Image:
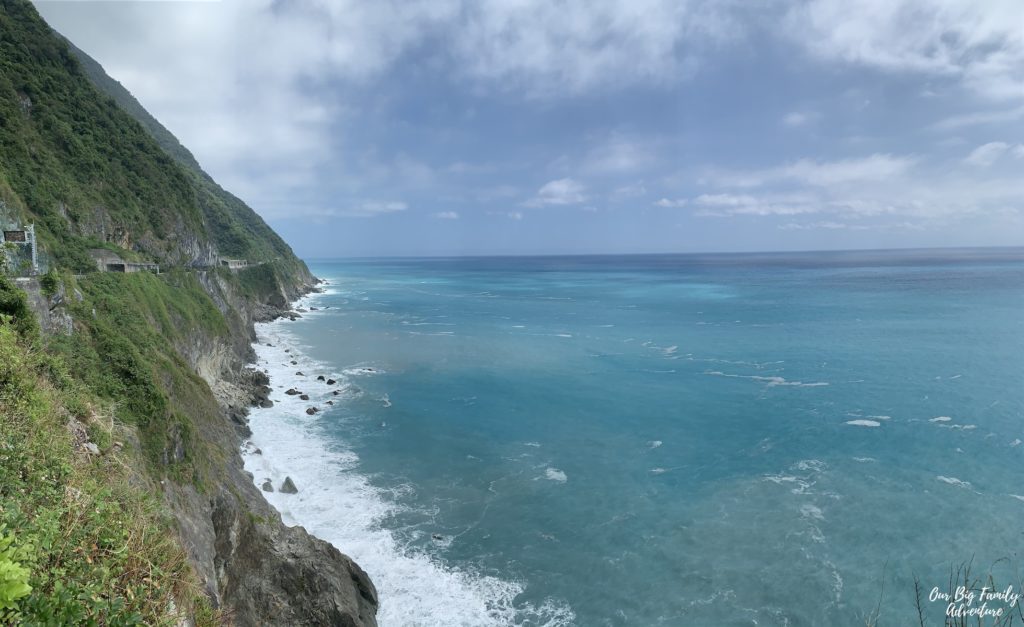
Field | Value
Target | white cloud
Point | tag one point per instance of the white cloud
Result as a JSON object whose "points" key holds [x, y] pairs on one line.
{"points": [[796, 119], [446, 215], [619, 155], [558, 192], [371, 208], [916, 193], [978, 44], [987, 154], [553, 48], [515, 215], [633, 190], [750, 205], [669, 203], [876, 167], [980, 118]]}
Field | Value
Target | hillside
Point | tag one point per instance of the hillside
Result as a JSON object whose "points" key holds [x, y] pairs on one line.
{"points": [[123, 396], [96, 170]]}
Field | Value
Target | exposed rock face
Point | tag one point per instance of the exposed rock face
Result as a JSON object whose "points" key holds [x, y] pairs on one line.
{"points": [[288, 487], [261, 571]]}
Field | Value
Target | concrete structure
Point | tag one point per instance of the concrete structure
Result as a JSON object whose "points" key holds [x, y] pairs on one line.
{"points": [[106, 261], [234, 264], [24, 238]]}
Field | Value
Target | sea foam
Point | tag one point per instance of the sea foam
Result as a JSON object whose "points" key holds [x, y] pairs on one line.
{"points": [[337, 503]]}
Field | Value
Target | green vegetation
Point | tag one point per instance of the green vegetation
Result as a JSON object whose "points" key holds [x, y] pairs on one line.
{"points": [[81, 167], [129, 353], [90, 422], [81, 158], [236, 230], [91, 548]]}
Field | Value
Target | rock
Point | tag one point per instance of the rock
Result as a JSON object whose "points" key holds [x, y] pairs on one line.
{"points": [[237, 416], [295, 363], [331, 382], [321, 378], [300, 374], [287, 350], [437, 536], [267, 486], [270, 345], [330, 402], [288, 487], [266, 403], [335, 392], [312, 309], [293, 392], [260, 378], [92, 449], [311, 410], [304, 397]]}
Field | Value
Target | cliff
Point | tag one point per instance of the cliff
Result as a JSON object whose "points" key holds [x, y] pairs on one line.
{"points": [[137, 381]]}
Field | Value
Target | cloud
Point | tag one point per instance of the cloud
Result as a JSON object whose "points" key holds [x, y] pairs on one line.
{"points": [[545, 48], [371, 209], [922, 194], [619, 155], [761, 205], [987, 154], [796, 119], [446, 215], [979, 118], [515, 215], [979, 45], [670, 203], [558, 192], [875, 167], [633, 190]]}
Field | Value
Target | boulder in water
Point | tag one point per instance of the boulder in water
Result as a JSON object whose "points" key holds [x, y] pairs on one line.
{"points": [[288, 487], [304, 397], [267, 486], [293, 392]]}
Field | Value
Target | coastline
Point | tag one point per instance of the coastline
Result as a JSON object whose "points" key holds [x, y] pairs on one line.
{"points": [[335, 502]]}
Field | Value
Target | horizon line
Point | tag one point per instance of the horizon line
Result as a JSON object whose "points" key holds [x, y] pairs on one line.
{"points": [[665, 254]]}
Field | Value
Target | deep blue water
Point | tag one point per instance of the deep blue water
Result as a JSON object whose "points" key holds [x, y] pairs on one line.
{"points": [[658, 440]]}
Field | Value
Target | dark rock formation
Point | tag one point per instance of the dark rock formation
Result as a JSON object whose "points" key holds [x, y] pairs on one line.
{"points": [[304, 397], [321, 378], [331, 382], [288, 487], [267, 486], [311, 410], [293, 392]]}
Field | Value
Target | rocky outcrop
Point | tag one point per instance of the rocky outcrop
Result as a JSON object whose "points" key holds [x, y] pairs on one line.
{"points": [[259, 570]]}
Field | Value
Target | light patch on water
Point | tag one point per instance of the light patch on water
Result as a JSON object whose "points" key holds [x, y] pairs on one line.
{"points": [[769, 381], [955, 482], [555, 474], [864, 423]]}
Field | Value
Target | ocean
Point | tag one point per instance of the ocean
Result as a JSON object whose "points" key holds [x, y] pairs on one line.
{"points": [[772, 439]]}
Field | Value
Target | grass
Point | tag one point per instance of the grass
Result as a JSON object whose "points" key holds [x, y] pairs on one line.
{"points": [[131, 331], [91, 546]]}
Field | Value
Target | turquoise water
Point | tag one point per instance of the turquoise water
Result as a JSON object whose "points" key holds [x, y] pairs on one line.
{"points": [[657, 440]]}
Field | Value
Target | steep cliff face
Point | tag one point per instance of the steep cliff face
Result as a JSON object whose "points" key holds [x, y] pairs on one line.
{"points": [[264, 571], [165, 355]]}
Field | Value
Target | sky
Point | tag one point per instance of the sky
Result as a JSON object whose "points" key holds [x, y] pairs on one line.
{"points": [[469, 127]]}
